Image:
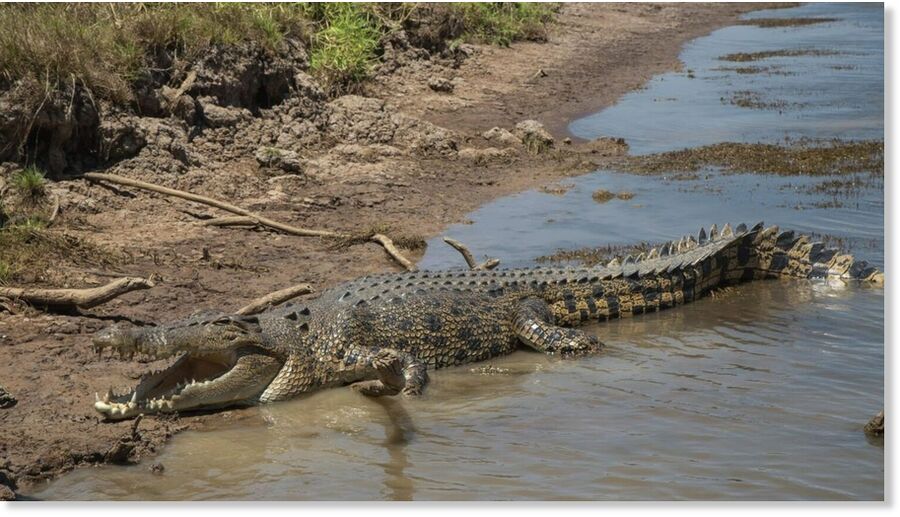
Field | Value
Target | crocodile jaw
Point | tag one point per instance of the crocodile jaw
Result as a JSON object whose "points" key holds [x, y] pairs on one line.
{"points": [[194, 382]]}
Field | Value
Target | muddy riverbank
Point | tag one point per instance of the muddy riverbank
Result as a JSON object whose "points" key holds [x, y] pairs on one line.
{"points": [[403, 154]]}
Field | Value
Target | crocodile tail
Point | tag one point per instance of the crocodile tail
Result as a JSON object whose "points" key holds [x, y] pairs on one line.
{"points": [[774, 253], [728, 256]]}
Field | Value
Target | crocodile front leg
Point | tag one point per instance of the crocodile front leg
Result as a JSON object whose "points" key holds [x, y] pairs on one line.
{"points": [[534, 326], [397, 372]]}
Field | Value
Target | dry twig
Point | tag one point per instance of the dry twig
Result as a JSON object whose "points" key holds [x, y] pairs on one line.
{"points": [[470, 259], [259, 219], [276, 298], [84, 298]]}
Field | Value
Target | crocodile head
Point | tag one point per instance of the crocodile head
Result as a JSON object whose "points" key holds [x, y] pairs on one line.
{"points": [[218, 361]]}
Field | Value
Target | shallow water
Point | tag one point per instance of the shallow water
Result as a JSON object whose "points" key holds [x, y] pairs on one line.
{"points": [[760, 394]]}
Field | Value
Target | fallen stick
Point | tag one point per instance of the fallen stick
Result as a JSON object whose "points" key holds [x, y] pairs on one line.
{"points": [[84, 298], [228, 207], [237, 220], [276, 298], [469, 258], [389, 247], [383, 240]]}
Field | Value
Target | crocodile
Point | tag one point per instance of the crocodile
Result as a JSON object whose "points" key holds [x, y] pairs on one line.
{"points": [[382, 334]]}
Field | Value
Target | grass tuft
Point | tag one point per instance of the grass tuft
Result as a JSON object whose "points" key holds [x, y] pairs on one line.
{"points": [[501, 23], [345, 47], [31, 184]]}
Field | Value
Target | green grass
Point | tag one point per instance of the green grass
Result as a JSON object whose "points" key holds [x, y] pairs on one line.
{"points": [[106, 47], [501, 23], [345, 48], [6, 272], [30, 183]]}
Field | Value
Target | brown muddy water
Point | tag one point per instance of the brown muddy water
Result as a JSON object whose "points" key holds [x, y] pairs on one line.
{"points": [[759, 394]]}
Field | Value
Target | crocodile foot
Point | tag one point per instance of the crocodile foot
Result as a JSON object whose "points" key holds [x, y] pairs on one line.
{"points": [[388, 365]]}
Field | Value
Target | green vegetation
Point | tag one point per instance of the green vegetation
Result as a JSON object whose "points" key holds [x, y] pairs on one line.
{"points": [[107, 48], [501, 23], [29, 252], [30, 184], [6, 272], [344, 49], [743, 57], [800, 157]]}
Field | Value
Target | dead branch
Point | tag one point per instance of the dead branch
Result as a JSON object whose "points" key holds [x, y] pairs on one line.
{"points": [[383, 240], [470, 259], [228, 207], [388, 245], [84, 298], [276, 298], [236, 220]]}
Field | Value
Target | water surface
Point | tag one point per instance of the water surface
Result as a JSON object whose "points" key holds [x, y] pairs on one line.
{"points": [[760, 394]]}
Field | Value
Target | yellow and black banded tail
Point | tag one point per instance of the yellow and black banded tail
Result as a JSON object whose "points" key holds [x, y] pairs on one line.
{"points": [[772, 253]]}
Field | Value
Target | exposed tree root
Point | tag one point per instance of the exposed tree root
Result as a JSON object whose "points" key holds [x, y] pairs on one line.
{"points": [[247, 216], [83, 298], [470, 259], [276, 298]]}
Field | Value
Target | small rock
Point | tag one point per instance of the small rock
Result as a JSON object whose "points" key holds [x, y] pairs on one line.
{"points": [[6, 399], [534, 137], [501, 136], [440, 84], [567, 141], [288, 161], [875, 426], [607, 146], [219, 116], [157, 469]]}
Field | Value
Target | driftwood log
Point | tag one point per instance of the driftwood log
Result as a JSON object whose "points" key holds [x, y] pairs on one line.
{"points": [[83, 298], [469, 258], [246, 215], [278, 297]]}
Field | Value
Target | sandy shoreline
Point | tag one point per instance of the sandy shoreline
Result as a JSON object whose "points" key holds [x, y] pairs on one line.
{"points": [[53, 372]]}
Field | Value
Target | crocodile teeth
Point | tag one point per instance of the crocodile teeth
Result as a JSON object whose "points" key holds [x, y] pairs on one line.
{"points": [[628, 260], [109, 394], [640, 257], [701, 237], [613, 263], [654, 253]]}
